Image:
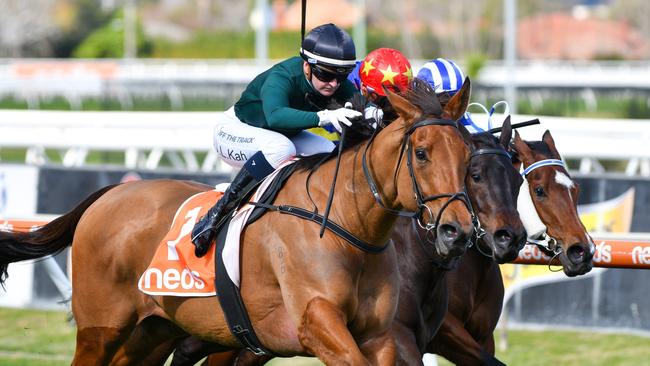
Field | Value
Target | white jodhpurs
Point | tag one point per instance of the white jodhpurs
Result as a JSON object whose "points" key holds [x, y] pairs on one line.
{"points": [[236, 141]]}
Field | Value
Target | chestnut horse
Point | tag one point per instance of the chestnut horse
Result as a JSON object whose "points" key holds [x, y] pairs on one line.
{"points": [[493, 185], [305, 295], [476, 286]]}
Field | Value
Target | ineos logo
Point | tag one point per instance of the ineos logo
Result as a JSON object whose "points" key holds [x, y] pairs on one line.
{"points": [[532, 252], [171, 279], [641, 255], [603, 253]]}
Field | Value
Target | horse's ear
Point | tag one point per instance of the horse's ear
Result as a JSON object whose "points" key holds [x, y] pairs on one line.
{"points": [[457, 105], [548, 140], [403, 107], [524, 153], [506, 133], [467, 136]]}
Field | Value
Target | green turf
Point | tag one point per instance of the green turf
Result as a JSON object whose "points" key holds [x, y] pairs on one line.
{"points": [[39, 338], [44, 338]]}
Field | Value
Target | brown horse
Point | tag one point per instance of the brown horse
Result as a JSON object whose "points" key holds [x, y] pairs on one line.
{"points": [[305, 295], [476, 286], [493, 185]]}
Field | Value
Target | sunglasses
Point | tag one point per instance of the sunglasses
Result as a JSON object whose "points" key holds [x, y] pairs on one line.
{"points": [[327, 76]]}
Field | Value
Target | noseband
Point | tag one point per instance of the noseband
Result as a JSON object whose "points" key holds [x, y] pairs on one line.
{"points": [[420, 200]]}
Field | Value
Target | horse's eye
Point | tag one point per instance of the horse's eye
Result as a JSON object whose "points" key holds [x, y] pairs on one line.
{"points": [[476, 177], [539, 192], [421, 154]]}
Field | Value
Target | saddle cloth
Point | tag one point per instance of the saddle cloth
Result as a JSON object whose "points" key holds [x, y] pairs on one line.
{"points": [[175, 270]]}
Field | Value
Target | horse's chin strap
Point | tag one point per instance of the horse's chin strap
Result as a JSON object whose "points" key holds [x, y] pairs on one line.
{"points": [[434, 220]]}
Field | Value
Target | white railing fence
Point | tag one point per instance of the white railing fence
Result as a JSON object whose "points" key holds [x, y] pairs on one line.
{"points": [[185, 139]]}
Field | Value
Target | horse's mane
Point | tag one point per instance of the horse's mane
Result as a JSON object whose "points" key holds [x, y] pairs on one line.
{"points": [[424, 97], [360, 131], [541, 147], [485, 139]]}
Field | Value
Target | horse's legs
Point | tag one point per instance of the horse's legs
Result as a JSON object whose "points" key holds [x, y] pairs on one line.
{"points": [[222, 359], [159, 355], [150, 334], [488, 344], [407, 349], [324, 333], [96, 345], [191, 350], [454, 343], [381, 350]]}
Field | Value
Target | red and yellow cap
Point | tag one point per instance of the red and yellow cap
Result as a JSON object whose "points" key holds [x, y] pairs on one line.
{"points": [[385, 67]]}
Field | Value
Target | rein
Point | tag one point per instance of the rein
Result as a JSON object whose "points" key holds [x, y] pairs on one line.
{"points": [[421, 201]]}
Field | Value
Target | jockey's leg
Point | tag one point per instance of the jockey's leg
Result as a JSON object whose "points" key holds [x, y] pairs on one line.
{"points": [[253, 172], [260, 151]]}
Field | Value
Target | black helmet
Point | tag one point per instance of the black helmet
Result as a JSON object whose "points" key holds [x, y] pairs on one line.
{"points": [[331, 47]]}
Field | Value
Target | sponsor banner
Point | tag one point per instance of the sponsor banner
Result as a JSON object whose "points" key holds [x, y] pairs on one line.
{"points": [[610, 253], [614, 215]]}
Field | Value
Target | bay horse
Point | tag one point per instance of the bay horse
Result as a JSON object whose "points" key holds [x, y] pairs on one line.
{"points": [[493, 184], [305, 295], [476, 286]]}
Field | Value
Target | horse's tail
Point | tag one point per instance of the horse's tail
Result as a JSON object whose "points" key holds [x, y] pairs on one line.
{"points": [[49, 239]]}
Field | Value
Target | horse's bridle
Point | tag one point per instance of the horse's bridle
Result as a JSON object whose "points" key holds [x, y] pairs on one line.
{"points": [[421, 201], [547, 244], [478, 229]]}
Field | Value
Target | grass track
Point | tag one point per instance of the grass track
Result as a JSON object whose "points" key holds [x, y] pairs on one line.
{"points": [[43, 338]]}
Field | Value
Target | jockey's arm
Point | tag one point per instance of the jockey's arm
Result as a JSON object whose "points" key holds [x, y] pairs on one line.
{"points": [[277, 111]]}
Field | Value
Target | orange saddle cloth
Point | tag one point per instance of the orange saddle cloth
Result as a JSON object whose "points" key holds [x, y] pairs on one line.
{"points": [[174, 269]]}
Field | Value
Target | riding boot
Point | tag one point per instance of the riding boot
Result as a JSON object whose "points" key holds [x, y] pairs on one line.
{"points": [[253, 172]]}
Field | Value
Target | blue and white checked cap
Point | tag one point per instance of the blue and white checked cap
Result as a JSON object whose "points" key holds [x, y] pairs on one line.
{"points": [[443, 75]]}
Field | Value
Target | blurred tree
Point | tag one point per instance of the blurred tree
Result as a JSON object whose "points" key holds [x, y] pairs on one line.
{"points": [[108, 41], [636, 12], [26, 28], [86, 16]]}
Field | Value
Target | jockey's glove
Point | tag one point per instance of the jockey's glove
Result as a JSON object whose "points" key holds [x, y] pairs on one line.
{"points": [[337, 117], [374, 113]]}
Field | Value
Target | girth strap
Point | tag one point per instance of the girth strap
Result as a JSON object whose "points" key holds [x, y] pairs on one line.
{"points": [[231, 301], [330, 225]]}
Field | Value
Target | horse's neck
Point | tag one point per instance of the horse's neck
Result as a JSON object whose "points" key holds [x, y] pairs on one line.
{"points": [[418, 261], [354, 206]]}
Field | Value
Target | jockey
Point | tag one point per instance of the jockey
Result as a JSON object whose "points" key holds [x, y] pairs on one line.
{"points": [[446, 78], [382, 68], [266, 126]]}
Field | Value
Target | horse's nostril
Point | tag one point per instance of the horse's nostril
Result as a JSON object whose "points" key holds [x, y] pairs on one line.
{"points": [[449, 232], [577, 253], [503, 236]]}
